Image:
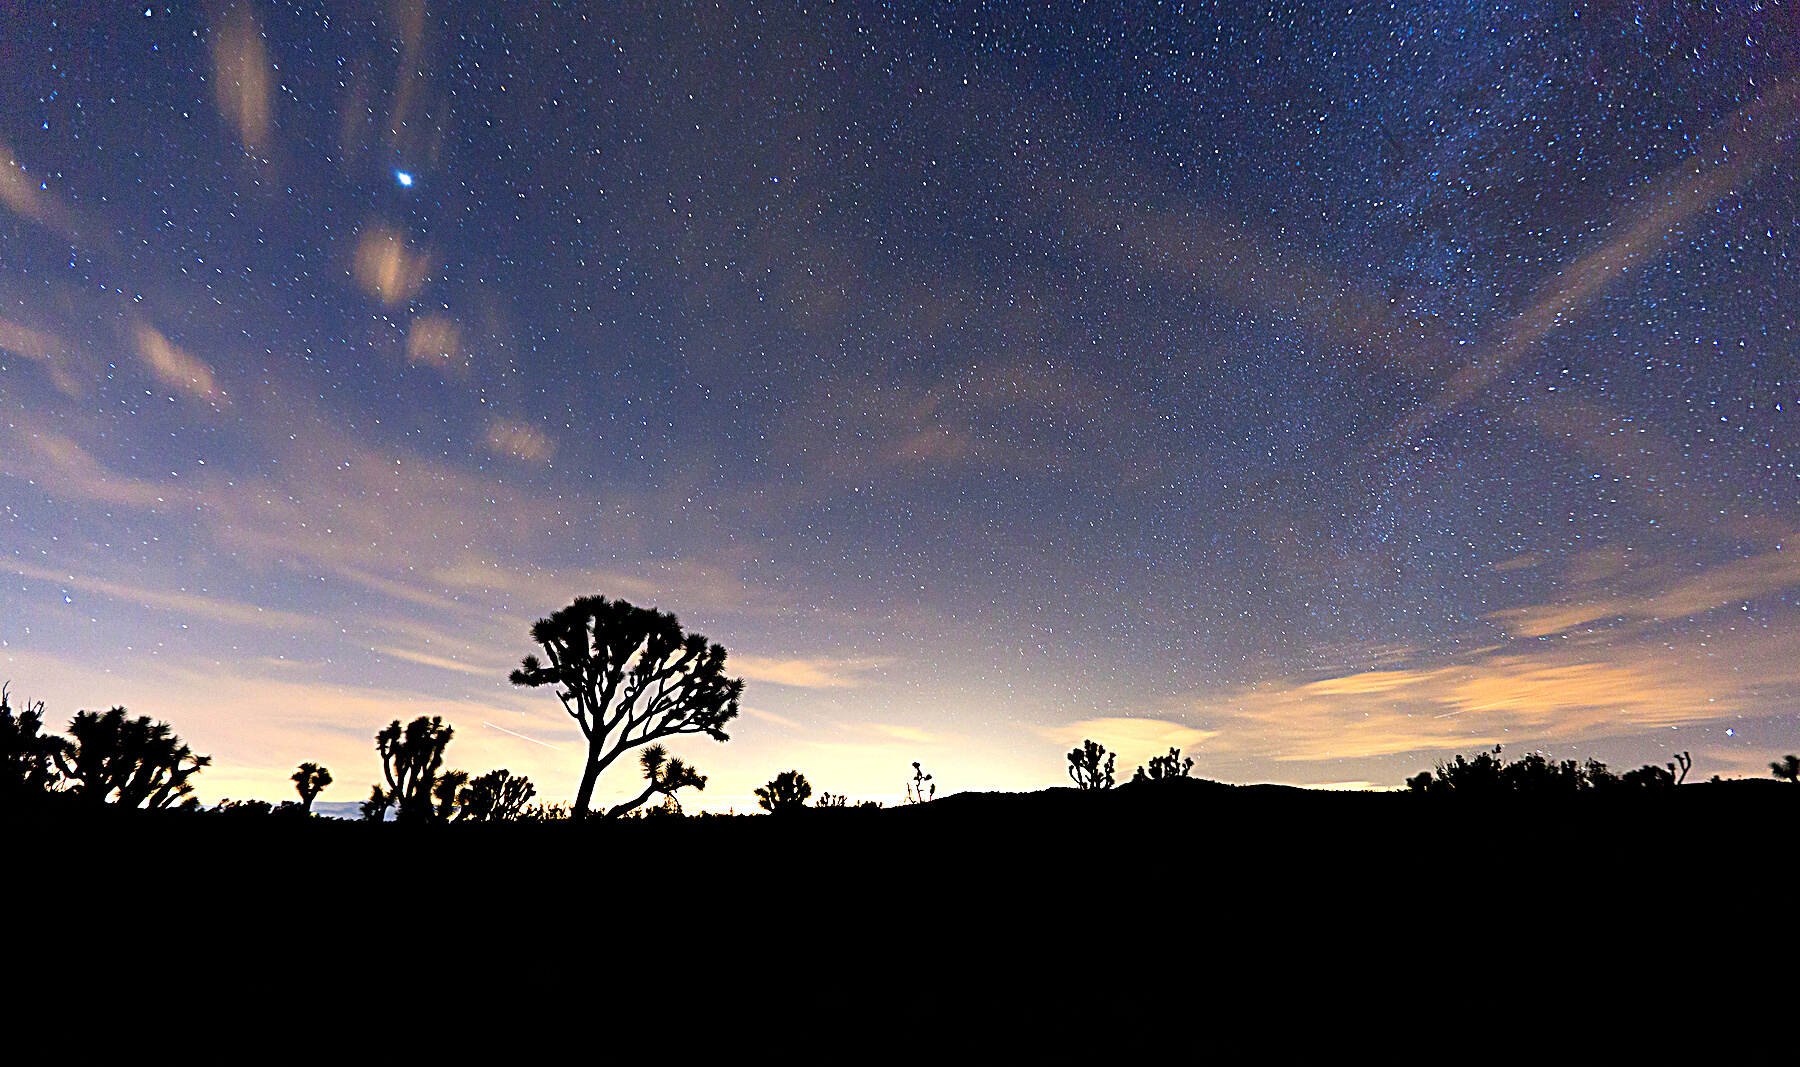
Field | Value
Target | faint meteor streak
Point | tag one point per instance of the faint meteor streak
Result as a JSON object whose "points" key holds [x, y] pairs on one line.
{"points": [[515, 733]]}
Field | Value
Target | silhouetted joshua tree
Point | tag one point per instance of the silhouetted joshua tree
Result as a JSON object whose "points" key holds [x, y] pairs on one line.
{"points": [[629, 676], [921, 788], [139, 761], [665, 774], [446, 794], [1163, 767], [309, 781], [497, 796], [1087, 769], [1787, 768], [411, 761], [787, 792], [27, 756], [375, 808]]}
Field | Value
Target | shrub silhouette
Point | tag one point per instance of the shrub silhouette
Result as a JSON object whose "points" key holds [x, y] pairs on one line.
{"points": [[1649, 776], [1086, 766], [309, 781], [786, 792], [411, 761], [1536, 773], [27, 756], [139, 761], [545, 813], [1787, 768], [1163, 767], [665, 774], [629, 676], [497, 796]]}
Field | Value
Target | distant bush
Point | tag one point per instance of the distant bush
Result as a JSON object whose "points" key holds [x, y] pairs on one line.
{"points": [[1535, 773], [788, 791], [1165, 767], [497, 796], [545, 813]]}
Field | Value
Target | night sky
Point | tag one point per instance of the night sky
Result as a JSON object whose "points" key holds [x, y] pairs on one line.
{"points": [[1320, 389]]}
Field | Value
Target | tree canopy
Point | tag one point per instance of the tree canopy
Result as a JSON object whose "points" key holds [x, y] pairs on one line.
{"points": [[787, 791], [665, 774], [1091, 766], [629, 676], [27, 755], [138, 761], [411, 760], [309, 781], [1165, 767]]}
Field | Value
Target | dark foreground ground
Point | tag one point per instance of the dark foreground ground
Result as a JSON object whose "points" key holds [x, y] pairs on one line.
{"points": [[1188, 914], [1188, 858]]}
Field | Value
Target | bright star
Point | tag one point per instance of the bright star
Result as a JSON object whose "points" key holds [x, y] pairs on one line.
{"points": [[403, 178]]}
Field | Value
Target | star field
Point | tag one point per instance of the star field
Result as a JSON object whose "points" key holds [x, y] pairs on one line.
{"points": [[1319, 388]]}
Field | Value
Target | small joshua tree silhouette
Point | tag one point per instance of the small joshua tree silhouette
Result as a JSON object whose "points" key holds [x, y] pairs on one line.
{"points": [[1088, 770], [921, 788]]}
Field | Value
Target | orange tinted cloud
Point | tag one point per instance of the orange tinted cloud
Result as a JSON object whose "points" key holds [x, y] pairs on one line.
{"points": [[1761, 575], [1134, 740], [64, 469], [174, 367], [1556, 695], [521, 441], [436, 342], [52, 350], [817, 673], [30, 197], [243, 77], [212, 609], [386, 268]]}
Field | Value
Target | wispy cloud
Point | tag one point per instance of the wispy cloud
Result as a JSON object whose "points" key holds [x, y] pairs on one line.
{"points": [[1134, 740], [816, 673], [436, 342], [769, 716], [520, 440], [243, 77], [1657, 595], [64, 469], [1727, 158], [41, 345], [429, 660], [1557, 694], [194, 604], [386, 268], [174, 367]]}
